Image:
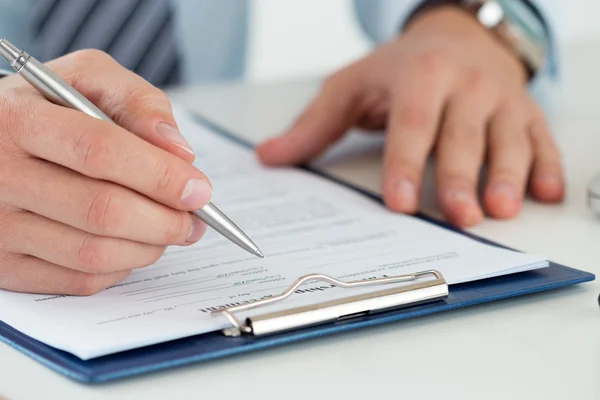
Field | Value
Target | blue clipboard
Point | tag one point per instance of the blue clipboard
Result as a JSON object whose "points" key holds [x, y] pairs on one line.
{"points": [[215, 345]]}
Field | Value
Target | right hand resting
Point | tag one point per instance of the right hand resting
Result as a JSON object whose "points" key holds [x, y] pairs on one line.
{"points": [[83, 201]]}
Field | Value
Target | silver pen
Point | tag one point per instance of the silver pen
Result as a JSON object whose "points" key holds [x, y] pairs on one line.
{"points": [[55, 89]]}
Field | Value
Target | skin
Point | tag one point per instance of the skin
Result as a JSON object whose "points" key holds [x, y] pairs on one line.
{"points": [[113, 196], [83, 202], [446, 87]]}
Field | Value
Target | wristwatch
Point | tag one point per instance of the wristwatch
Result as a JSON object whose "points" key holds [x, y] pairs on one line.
{"points": [[516, 23]]}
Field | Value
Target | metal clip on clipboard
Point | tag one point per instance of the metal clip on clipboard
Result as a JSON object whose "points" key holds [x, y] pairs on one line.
{"points": [[422, 290]]}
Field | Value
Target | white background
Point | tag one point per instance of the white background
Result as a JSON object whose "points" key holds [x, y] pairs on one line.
{"points": [[298, 38]]}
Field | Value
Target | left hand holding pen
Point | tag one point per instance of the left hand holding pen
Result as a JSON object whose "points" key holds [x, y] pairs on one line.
{"points": [[445, 85]]}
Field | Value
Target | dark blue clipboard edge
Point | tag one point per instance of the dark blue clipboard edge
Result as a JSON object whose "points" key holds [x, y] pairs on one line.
{"points": [[214, 345]]}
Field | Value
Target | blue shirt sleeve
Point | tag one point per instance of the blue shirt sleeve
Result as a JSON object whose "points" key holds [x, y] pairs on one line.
{"points": [[213, 39], [545, 83]]}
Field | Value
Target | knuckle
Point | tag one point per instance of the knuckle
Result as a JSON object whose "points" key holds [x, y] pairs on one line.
{"points": [[85, 284], [144, 94], [519, 148], [461, 132], [87, 57], [91, 152], [457, 179], [476, 81], [165, 179], [82, 65], [143, 98], [413, 117], [11, 172], [9, 263], [101, 213], [432, 63], [506, 174], [91, 255], [399, 164], [11, 219], [15, 182], [176, 228], [7, 229]]}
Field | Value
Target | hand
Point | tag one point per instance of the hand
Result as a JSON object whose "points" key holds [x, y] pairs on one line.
{"points": [[446, 86], [83, 201]]}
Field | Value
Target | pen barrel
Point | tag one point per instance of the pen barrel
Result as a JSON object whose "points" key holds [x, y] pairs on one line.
{"points": [[55, 89], [217, 220]]}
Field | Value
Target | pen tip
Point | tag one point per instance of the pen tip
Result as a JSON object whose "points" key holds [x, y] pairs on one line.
{"points": [[259, 253]]}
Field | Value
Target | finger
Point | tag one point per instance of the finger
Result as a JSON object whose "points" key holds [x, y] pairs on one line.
{"points": [[31, 234], [417, 102], [107, 152], [97, 207], [547, 176], [375, 112], [125, 97], [510, 159], [20, 273], [460, 152], [326, 119]]}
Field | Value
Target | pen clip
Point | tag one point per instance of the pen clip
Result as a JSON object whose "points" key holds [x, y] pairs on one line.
{"points": [[419, 291]]}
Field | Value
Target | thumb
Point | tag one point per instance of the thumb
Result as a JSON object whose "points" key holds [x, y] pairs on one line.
{"points": [[325, 120]]}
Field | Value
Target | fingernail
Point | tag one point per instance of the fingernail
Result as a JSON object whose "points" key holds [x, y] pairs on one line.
{"points": [[406, 193], [464, 207], [196, 194], [197, 230], [172, 135], [504, 190]]}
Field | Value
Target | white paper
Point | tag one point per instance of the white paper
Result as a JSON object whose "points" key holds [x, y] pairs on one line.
{"points": [[303, 224]]}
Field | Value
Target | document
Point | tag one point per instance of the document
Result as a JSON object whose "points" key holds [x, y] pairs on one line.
{"points": [[303, 223]]}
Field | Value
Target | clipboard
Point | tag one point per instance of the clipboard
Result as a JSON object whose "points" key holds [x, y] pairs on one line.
{"points": [[419, 294]]}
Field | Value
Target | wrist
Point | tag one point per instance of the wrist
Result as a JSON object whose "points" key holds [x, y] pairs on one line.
{"points": [[447, 18], [518, 25], [453, 22]]}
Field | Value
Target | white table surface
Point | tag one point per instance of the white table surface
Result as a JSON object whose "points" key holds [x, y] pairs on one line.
{"points": [[544, 346]]}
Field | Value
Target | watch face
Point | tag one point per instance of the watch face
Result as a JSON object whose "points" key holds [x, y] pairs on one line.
{"points": [[490, 14]]}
